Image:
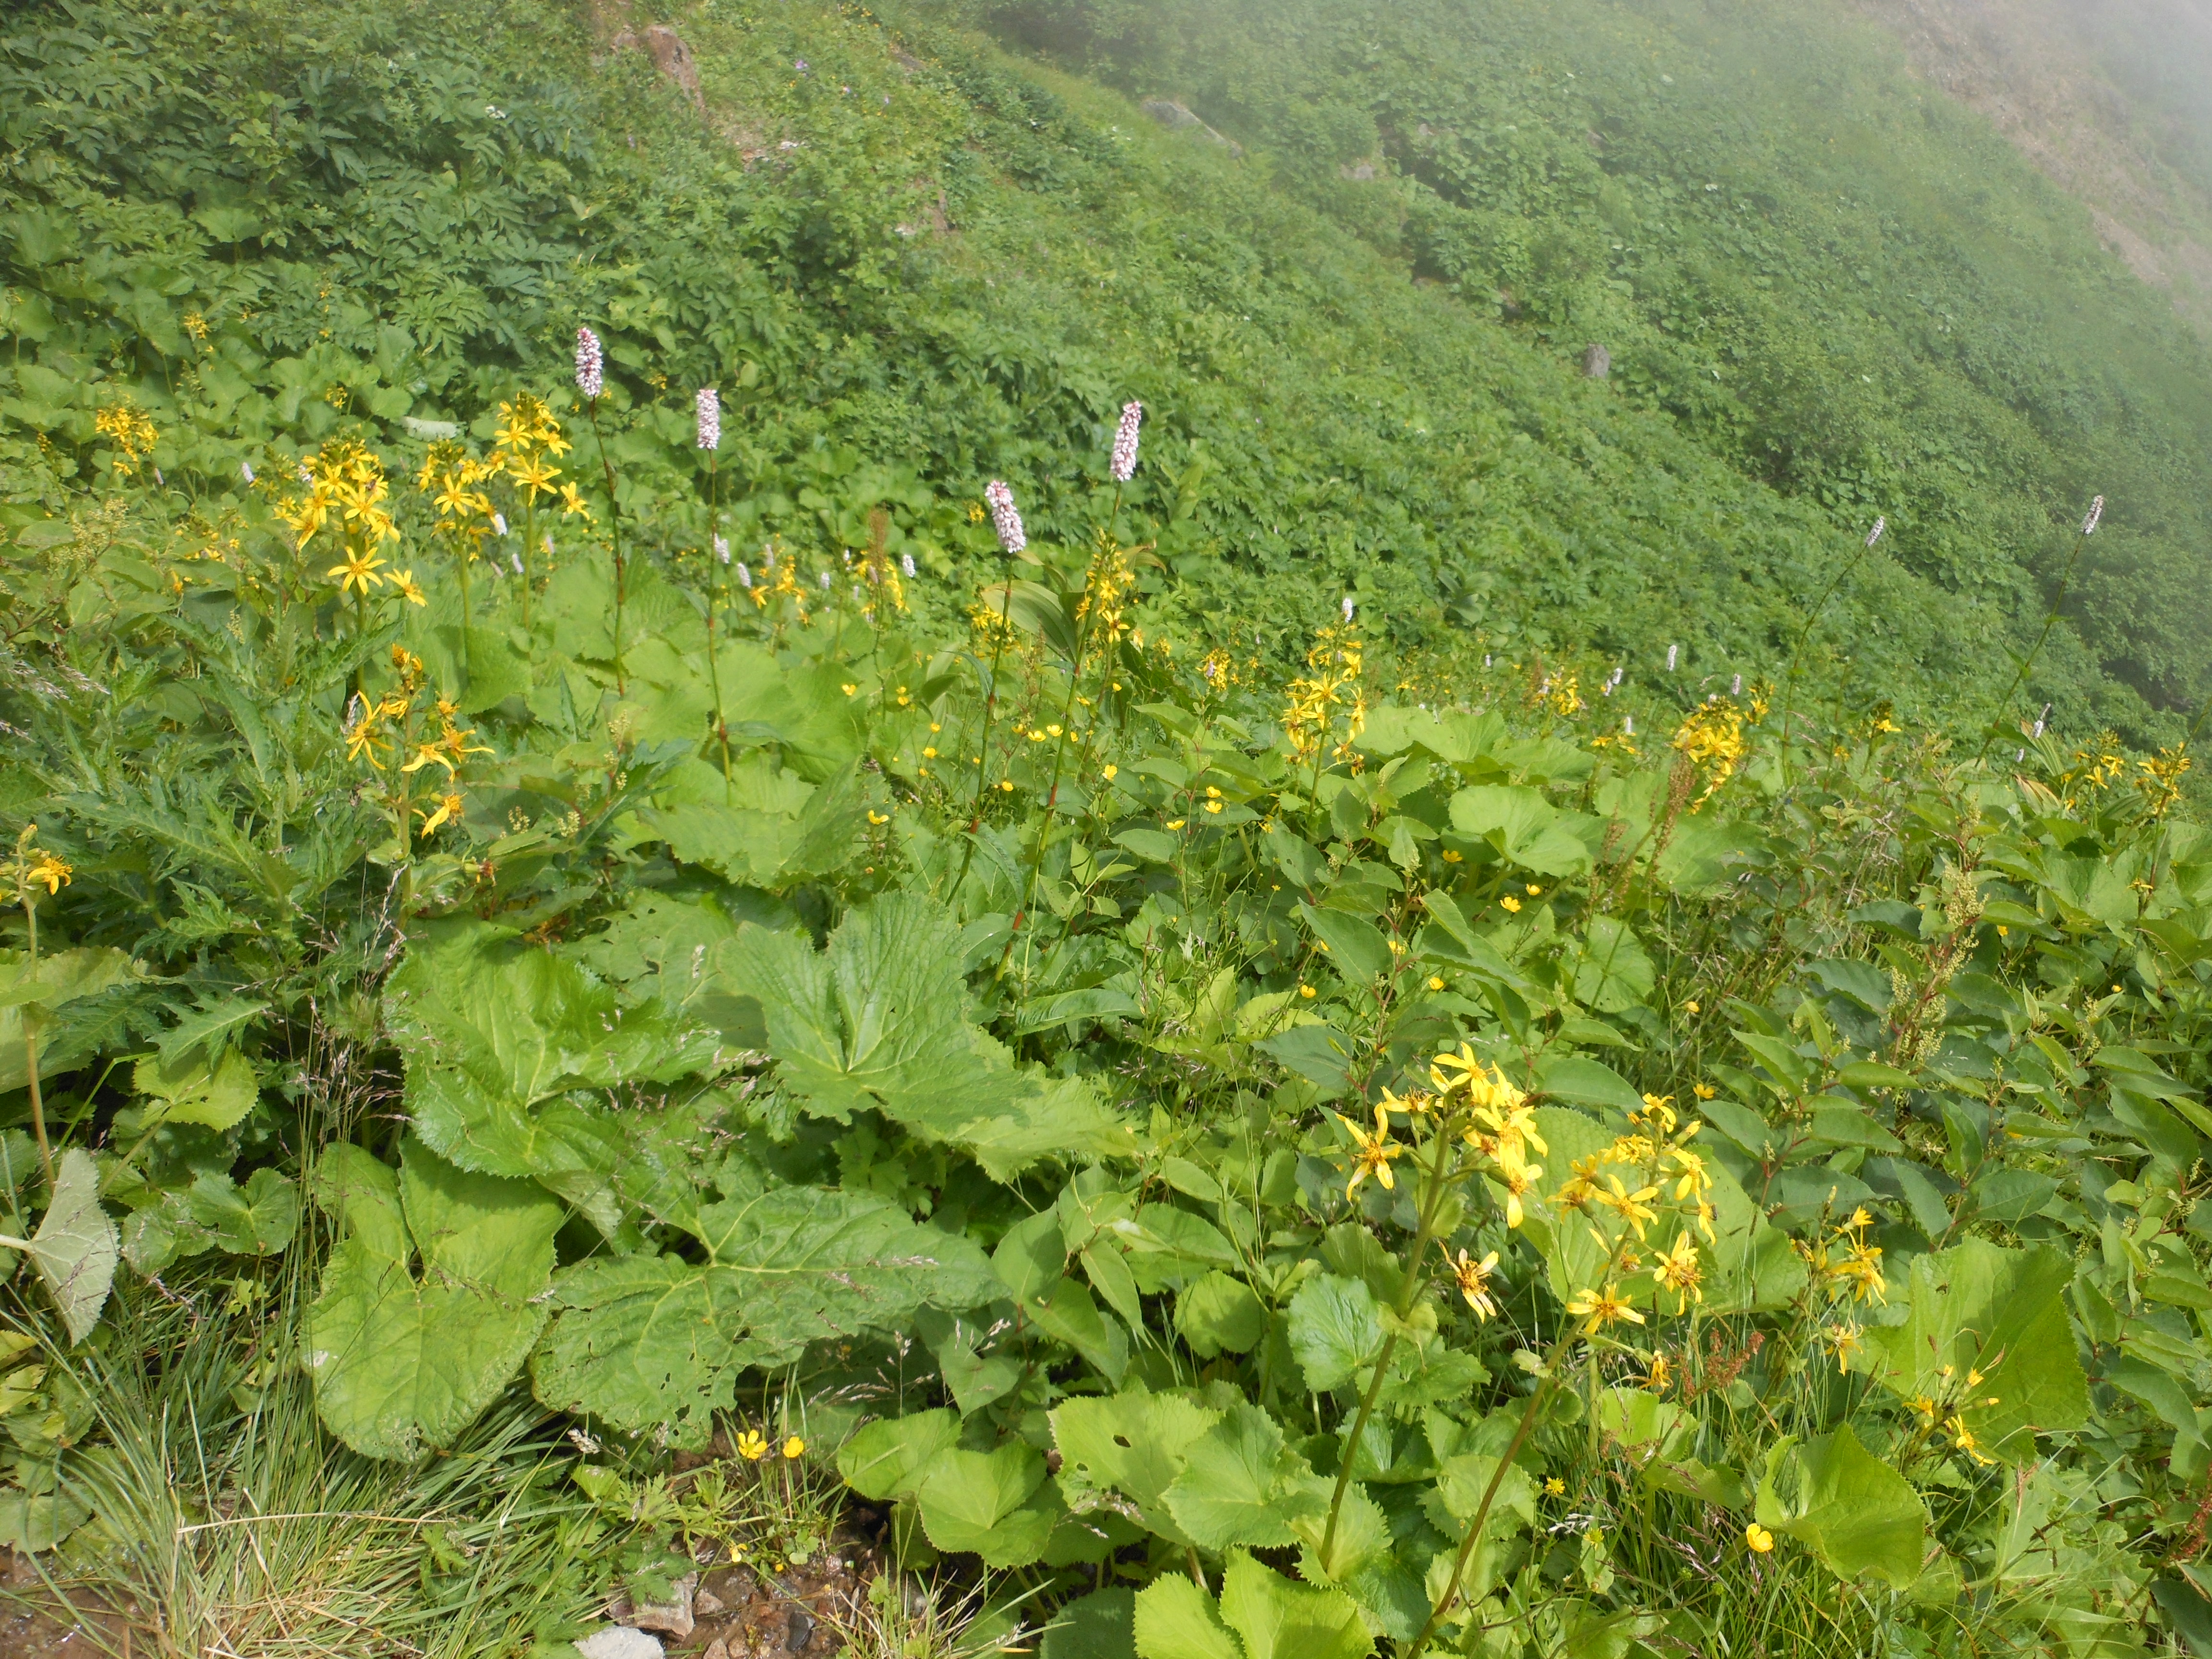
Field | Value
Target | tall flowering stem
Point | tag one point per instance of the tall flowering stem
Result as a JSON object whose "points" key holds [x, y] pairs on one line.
{"points": [[592, 382], [1007, 521], [1804, 634], [30, 870], [708, 407], [2088, 528], [1664, 1179], [1475, 1120]]}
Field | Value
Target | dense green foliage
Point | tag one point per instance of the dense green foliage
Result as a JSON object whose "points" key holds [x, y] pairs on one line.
{"points": [[1222, 1066]]}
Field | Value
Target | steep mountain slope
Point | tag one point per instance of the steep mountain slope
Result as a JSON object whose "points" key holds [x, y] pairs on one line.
{"points": [[915, 263]]}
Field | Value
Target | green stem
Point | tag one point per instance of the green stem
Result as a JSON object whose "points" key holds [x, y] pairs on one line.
{"points": [[1431, 1198], [983, 752], [715, 567], [2027, 662], [1804, 634], [614, 529], [1537, 1402], [31, 1053]]}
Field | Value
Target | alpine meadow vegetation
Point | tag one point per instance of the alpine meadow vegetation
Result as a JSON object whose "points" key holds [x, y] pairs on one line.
{"points": [[862, 804]]}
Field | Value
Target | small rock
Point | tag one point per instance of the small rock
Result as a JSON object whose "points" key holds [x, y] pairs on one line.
{"points": [[717, 1649], [674, 1617], [1597, 361], [707, 1604], [798, 1630], [619, 1642], [1170, 114], [673, 59]]}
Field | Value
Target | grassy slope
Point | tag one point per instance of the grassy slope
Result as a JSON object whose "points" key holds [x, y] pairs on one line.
{"points": [[397, 211]]}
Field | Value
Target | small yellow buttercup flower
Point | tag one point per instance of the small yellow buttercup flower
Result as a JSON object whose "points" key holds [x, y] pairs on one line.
{"points": [[1436, 982], [752, 1445], [794, 1448], [1512, 904], [1759, 1538], [1306, 991], [1110, 771]]}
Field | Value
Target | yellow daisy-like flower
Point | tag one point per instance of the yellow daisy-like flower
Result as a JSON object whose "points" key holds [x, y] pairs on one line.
{"points": [[1629, 1206], [404, 581], [1373, 1153], [359, 573], [49, 873], [1680, 1272], [449, 812], [1599, 1308], [1473, 1280]]}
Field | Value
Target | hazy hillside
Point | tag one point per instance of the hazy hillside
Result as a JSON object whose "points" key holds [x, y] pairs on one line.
{"points": [[2111, 100]]}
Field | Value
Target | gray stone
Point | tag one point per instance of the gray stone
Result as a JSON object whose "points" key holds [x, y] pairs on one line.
{"points": [[619, 1642]]}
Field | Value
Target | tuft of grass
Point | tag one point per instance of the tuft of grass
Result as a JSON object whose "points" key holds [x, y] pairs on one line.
{"points": [[237, 1525]]}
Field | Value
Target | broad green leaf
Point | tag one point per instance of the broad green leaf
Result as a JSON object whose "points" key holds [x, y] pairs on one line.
{"points": [[1356, 949], [507, 1048], [61, 976], [887, 1459], [31, 1525], [1335, 1330], [1280, 1620], [75, 1247], [1987, 1338], [1858, 1515], [761, 827], [216, 1029], [1069, 1316], [996, 1504], [1362, 1541], [1132, 1444], [429, 1301], [258, 1220], [1612, 973], [658, 1342], [187, 1092], [1177, 1619], [877, 1021], [1587, 1083], [1100, 1625], [1216, 1314], [1522, 825], [1240, 1486]]}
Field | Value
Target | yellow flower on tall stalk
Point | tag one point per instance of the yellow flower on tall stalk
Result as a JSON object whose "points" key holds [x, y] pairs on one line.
{"points": [[403, 583], [1631, 1207], [359, 573], [1372, 1154], [449, 810]]}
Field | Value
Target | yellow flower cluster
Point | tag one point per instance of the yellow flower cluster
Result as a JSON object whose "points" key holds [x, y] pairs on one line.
{"points": [[345, 489], [453, 479], [131, 433], [1658, 1155], [1332, 681], [529, 442], [1844, 1263], [375, 730], [1712, 738], [2159, 780]]}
